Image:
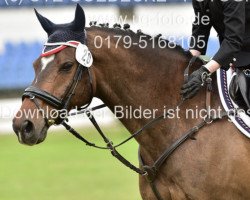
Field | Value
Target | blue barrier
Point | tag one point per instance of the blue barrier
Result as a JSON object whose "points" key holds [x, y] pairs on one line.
{"points": [[16, 64]]}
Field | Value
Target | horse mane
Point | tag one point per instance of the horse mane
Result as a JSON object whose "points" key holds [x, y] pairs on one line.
{"points": [[125, 30]]}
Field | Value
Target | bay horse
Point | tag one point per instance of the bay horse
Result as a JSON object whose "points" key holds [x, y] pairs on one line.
{"points": [[214, 166]]}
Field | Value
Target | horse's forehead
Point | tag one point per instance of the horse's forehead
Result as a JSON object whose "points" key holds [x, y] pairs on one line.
{"points": [[46, 60]]}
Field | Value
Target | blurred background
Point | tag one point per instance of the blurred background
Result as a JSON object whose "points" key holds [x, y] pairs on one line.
{"points": [[61, 167]]}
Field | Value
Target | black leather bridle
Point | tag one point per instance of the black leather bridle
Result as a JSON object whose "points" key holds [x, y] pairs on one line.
{"points": [[150, 172], [33, 92]]}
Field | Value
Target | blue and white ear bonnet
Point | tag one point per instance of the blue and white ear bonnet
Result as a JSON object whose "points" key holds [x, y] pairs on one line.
{"points": [[61, 36]]}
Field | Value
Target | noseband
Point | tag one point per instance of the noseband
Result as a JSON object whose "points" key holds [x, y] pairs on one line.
{"points": [[33, 92]]}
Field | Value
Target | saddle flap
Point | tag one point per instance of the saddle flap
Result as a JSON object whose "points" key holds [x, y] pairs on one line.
{"points": [[244, 85], [235, 92]]}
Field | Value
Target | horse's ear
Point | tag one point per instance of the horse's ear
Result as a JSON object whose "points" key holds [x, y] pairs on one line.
{"points": [[79, 21], [47, 25]]}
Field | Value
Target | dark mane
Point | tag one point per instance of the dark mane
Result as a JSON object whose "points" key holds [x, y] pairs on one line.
{"points": [[117, 29]]}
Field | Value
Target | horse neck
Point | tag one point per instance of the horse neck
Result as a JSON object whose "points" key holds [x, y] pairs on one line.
{"points": [[139, 78]]}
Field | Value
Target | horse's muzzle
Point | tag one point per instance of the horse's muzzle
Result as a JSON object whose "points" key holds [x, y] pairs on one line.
{"points": [[26, 132]]}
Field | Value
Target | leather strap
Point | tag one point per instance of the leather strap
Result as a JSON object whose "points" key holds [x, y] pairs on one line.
{"points": [[186, 71], [152, 171], [114, 152], [43, 95], [55, 102], [71, 92]]}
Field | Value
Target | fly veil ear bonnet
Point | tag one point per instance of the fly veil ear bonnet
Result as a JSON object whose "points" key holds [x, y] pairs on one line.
{"points": [[61, 36]]}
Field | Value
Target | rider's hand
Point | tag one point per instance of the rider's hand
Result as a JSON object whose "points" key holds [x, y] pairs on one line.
{"points": [[195, 82]]}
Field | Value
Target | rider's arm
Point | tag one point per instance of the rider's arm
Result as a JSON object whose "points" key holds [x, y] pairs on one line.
{"points": [[234, 22], [212, 65], [200, 30]]}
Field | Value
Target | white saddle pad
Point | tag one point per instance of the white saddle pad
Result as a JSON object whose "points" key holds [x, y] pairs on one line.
{"points": [[241, 119]]}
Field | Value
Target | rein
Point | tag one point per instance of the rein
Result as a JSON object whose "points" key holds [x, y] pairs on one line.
{"points": [[150, 172]]}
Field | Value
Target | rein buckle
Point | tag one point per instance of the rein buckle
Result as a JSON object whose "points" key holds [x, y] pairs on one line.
{"points": [[51, 122]]}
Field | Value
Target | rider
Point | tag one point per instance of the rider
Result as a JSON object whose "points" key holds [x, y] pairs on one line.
{"points": [[231, 20]]}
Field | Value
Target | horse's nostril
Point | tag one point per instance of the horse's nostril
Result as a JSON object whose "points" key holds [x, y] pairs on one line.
{"points": [[27, 127]]}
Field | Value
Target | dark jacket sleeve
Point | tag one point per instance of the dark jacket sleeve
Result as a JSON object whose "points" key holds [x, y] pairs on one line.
{"points": [[234, 22], [200, 31]]}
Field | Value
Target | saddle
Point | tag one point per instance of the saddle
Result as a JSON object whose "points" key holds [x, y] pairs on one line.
{"points": [[239, 89]]}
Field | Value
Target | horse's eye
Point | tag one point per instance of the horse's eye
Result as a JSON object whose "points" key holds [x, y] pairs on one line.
{"points": [[66, 66]]}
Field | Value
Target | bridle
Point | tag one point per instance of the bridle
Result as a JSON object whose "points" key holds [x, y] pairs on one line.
{"points": [[150, 172], [33, 92]]}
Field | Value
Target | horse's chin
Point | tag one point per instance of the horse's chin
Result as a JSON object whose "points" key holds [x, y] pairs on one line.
{"points": [[35, 138]]}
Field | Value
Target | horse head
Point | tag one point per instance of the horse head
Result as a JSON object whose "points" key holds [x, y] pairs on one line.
{"points": [[62, 79]]}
